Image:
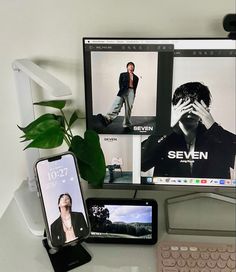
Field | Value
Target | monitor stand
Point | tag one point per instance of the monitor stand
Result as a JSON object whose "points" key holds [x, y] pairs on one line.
{"points": [[201, 214], [29, 205]]}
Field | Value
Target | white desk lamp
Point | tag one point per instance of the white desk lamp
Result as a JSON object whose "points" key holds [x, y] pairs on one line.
{"points": [[25, 72]]}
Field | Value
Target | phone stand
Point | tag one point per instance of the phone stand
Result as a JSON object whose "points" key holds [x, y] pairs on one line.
{"points": [[68, 257]]}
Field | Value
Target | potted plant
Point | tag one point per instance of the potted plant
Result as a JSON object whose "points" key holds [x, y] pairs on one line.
{"points": [[51, 130]]}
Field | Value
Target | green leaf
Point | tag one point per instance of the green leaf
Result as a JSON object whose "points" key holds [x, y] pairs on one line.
{"points": [[90, 157], [58, 104], [41, 128], [73, 118], [32, 125], [50, 138]]}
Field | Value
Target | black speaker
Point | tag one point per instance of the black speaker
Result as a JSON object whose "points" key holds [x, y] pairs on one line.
{"points": [[229, 24]]}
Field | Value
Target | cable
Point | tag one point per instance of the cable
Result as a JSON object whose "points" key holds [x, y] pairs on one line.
{"points": [[135, 193]]}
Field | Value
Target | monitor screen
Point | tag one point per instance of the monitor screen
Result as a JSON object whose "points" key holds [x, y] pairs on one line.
{"points": [[164, 109]]}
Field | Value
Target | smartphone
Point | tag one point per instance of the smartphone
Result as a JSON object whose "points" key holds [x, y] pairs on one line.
{"points": [[63, 206]]}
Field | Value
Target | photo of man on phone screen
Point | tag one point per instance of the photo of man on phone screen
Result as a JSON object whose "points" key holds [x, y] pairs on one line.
{"points": [[69, 225]]}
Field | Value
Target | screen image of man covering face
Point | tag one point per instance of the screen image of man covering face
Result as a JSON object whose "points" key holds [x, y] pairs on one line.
{"points": [[69, 225], [197, 146]]}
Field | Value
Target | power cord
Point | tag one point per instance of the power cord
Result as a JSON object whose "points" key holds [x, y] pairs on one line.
{"points": [[135, 193]]}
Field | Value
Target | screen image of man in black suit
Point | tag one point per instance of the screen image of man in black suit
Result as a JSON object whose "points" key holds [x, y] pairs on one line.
{"points": [[128, 83], [69, 225]]}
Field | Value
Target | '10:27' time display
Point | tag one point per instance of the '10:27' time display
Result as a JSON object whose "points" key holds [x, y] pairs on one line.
{"points": [[58, 173]]}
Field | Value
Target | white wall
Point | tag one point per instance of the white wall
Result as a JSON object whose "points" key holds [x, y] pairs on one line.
{"points": [[51, 31]]}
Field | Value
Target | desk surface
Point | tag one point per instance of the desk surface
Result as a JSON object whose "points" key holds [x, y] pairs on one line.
{"points": [[20, 250]]}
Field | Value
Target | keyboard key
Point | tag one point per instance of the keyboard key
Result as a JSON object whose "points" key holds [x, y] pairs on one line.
{"points": [[202, 248], [221, 248], [174, 248], [170, 269], [205, 255], [233, 256], [211, 263], [224, 256], [215, 255], [226, 270], [231, 249], [221, 263], [175, 254], [231, 264], [169, 262], [194, 270], [165, 248], [212, 249], [193, 248], [205, 270], [181, 262], [201, 263], [185, 255], [183, 269], [184, 248], [191, 262], [195, 255], [165, 254], [216, 270]]}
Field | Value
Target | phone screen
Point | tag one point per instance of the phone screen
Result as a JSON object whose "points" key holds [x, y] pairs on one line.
{"points": [[63, 205]]}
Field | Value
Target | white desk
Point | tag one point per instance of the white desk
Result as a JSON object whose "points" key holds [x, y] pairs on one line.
{"points": [[20, 250]]}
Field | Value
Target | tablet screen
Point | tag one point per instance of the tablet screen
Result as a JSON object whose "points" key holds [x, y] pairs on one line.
{"points": [[125, 221]]}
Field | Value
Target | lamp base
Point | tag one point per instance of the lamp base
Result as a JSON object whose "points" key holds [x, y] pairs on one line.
{"points": [[29, 205]]}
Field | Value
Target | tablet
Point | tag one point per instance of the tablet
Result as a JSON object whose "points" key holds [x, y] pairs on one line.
{"points": [[129, 221]]}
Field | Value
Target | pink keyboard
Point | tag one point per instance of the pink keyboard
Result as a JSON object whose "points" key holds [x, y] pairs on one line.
{"points": [[195, 257]]}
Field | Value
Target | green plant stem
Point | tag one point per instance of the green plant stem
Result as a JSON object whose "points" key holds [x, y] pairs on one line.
{"points": [[67, 124], [67, 140], [69, 136]]}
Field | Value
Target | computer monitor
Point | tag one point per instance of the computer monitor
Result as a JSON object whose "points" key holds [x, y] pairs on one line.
{"points": [[181, 104]]}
